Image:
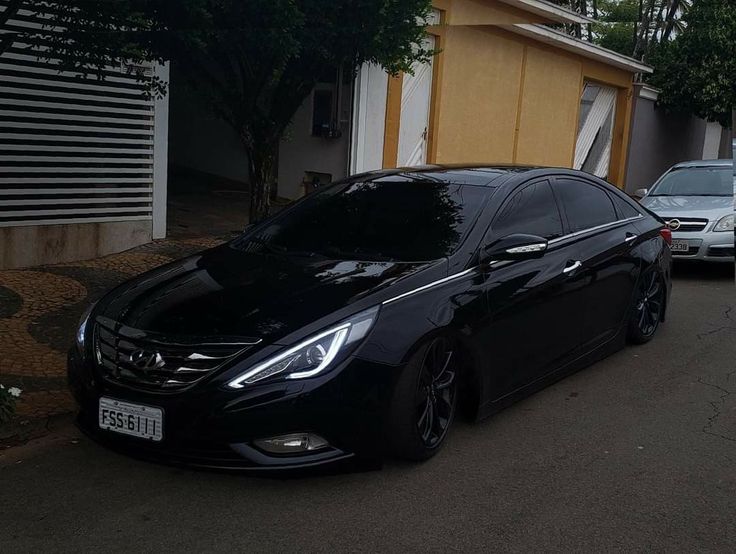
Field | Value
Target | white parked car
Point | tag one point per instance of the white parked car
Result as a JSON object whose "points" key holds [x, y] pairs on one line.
{"points": [[696, 199]]}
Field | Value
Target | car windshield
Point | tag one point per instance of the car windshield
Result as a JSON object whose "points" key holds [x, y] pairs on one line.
{"points": [[382, 220], [696, 181]]}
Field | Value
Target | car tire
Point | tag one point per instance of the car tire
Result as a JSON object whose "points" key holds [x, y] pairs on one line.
{"points": [[648, 308], [424, 401]]}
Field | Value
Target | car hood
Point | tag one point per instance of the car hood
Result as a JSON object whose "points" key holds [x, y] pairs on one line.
{"points": [[228, 292], [710, 207]]}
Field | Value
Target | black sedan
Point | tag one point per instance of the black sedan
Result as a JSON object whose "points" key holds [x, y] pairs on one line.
{"points": [[359, 321]]}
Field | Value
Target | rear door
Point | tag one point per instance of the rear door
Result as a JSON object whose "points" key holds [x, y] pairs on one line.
{"points": [[605, 239], [533, 326]]}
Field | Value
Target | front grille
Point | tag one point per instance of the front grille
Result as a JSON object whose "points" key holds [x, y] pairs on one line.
{"points": [[688, 224], [152, 361]]}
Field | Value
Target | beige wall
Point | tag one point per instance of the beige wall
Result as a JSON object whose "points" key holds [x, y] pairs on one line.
{"points": [[480, 92], [548, 111], [503, 98], [49, 244]]}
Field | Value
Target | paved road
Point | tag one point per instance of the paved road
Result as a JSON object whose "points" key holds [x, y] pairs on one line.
{"points": [[637, 453]]}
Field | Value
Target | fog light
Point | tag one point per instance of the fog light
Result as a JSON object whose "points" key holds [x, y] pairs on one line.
{"points": [[291, 444]]}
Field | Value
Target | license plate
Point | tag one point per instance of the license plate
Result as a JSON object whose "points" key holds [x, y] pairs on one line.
{"points": [[680, 246], [136, 420]]}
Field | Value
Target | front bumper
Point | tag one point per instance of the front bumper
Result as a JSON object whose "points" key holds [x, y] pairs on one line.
{"points": [[706, 246], [209, 427]]}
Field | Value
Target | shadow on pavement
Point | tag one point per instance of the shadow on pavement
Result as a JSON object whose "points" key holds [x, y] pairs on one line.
{"points": [[702, 271]]}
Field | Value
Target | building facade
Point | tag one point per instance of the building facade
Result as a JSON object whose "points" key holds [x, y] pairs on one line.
{"points": [[85, 165], [82, 161], [505, 87]]}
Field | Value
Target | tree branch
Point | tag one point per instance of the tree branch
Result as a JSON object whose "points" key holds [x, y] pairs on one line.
{"points": [[10, 11]]}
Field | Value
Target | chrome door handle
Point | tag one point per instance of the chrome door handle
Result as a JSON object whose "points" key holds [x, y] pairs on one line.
{"points": [[573, 267], [630, 237]]}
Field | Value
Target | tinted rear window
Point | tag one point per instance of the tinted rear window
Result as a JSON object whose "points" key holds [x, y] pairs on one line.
{"points": [[586, 205], [376, 220], [625, 209]]}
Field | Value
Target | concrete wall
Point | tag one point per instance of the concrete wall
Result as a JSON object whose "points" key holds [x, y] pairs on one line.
{"points": [[200, 143], [51, 244], [725, 149], [300, 151], [660, 139], [199, 140]]}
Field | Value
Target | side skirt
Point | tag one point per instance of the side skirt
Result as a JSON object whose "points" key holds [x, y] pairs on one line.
{"points": [[614, 344]]}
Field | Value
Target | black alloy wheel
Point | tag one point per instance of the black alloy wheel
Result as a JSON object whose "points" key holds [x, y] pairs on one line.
{"points": [[424, 401], [436, 392], [648, 309]]}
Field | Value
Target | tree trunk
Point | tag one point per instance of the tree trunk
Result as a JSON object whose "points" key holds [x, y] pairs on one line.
{"points": [[659, 23], [262, 170], [644, 29]]}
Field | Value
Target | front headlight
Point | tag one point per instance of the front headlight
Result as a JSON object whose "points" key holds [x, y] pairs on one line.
{"points": [[313, 355], [725, 223], [82, 329]]}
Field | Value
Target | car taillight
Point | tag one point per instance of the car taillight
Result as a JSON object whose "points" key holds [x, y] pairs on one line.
{"points": [[666, 235]]}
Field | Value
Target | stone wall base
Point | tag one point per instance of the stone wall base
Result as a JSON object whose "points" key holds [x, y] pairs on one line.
{"points": [[50, 244]]}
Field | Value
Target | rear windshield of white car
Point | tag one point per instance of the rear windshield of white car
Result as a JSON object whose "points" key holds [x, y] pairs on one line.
{"points": [[696, 181]]}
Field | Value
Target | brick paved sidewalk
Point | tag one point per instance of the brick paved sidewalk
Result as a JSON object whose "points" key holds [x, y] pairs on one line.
{"points": [[40, 308]]}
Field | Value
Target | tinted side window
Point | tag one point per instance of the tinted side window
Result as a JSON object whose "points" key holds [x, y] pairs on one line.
{"points": [[586, 205], [532, 211], [625, 209]]}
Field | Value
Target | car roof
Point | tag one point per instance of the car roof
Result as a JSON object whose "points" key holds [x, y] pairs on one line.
{"points": [[704, 163], [469, 174]]}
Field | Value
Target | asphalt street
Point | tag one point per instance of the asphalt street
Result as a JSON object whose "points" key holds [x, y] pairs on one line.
{"points": [[636, 453]]}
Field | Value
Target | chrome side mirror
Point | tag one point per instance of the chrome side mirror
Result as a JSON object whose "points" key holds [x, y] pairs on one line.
{"points": [[640, 193]]}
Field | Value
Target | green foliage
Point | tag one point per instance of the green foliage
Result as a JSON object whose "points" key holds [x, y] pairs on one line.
{"points": [[697, 70], [626, 11], [630, 27], [617, 25], [618, 36], [253, 61]]}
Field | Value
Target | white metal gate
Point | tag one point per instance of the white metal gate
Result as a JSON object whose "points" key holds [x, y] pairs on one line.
{"points": [[369, 118], [72, 150], [595, 132], [416, 93]]}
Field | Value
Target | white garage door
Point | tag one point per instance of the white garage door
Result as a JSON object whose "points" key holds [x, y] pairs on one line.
{"points": [[416, 93]]}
